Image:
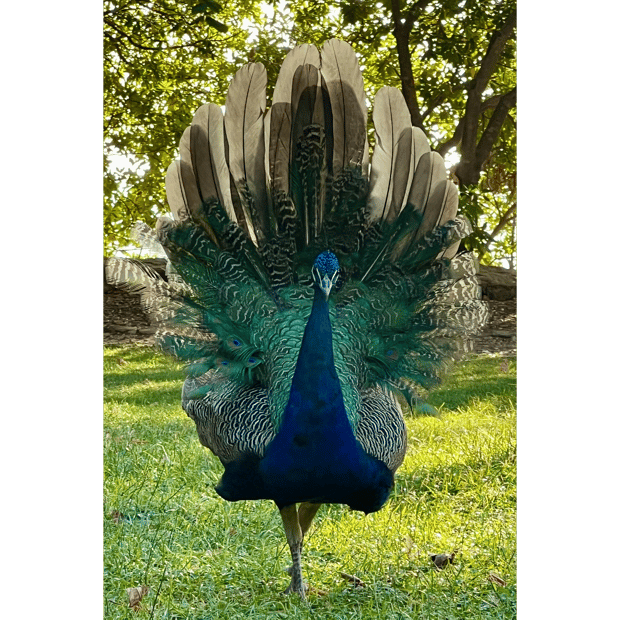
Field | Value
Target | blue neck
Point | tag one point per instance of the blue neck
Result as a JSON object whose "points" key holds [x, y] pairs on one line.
{"points": [[315, 381]]}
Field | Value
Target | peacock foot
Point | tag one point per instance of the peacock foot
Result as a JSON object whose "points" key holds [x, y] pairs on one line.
{"points": [[297, 585], [294, 589]]}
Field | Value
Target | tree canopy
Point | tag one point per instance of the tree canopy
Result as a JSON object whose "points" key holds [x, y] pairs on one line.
{"points": [[454, 60]]}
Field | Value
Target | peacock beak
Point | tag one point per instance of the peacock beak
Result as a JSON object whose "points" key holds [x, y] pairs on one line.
{"points": [[326, 283]]}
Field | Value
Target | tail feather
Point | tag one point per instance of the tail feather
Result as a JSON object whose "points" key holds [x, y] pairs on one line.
{"points": [[244, 127], [206, 145], [411, 145], [278, 125], [343, 78], [300, 55], [307, 171], [175, 193], [428, 195], [391, 117]]}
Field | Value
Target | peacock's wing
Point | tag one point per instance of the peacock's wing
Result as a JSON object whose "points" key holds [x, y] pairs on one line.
{"points": [[231, 419], [381, 428]]}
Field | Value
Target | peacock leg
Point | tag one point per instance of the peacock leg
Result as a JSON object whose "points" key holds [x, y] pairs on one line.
{"points": [[294, 537], [306, 514]]}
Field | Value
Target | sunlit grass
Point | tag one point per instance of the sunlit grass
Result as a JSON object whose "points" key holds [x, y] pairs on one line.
{"points": [[202, 557]]}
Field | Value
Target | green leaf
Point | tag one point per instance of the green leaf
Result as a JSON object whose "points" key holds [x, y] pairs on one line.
{"points": [[215, 24]]}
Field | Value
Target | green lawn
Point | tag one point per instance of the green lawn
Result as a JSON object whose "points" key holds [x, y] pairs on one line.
{"points": [[202, 557]]}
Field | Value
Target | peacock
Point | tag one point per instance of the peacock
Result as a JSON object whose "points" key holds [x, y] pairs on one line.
{"points": [[307, 285]]}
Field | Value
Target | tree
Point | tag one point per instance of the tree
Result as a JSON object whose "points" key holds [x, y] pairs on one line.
{"points": [[453, 59], [161, 61]]}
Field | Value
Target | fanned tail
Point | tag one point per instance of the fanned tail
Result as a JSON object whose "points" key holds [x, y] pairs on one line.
{"points": [[307, 167], [257, 195]]}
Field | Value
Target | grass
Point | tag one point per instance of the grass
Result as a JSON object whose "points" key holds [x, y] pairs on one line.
{"points": [[202, 557]]}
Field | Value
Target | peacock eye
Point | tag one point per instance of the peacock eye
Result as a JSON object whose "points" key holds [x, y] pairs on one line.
{"points": [[252, 360], [224, 363], [236, 342], [392, 354]]}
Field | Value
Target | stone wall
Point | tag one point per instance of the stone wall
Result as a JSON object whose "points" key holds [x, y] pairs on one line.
{"points": [[498, 284]]}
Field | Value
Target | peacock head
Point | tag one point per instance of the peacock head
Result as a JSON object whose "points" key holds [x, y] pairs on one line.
{"points": [[325, 271]]}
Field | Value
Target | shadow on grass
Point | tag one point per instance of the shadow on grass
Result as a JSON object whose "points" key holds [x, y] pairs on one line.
{"points": [[459, 397]]}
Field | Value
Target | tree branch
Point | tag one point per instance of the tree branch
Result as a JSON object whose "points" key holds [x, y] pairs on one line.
{"points": [[496, 46], [502, 222], [402, 31], [468, 170], [489, 103], [444, 147], [491, 131]]}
